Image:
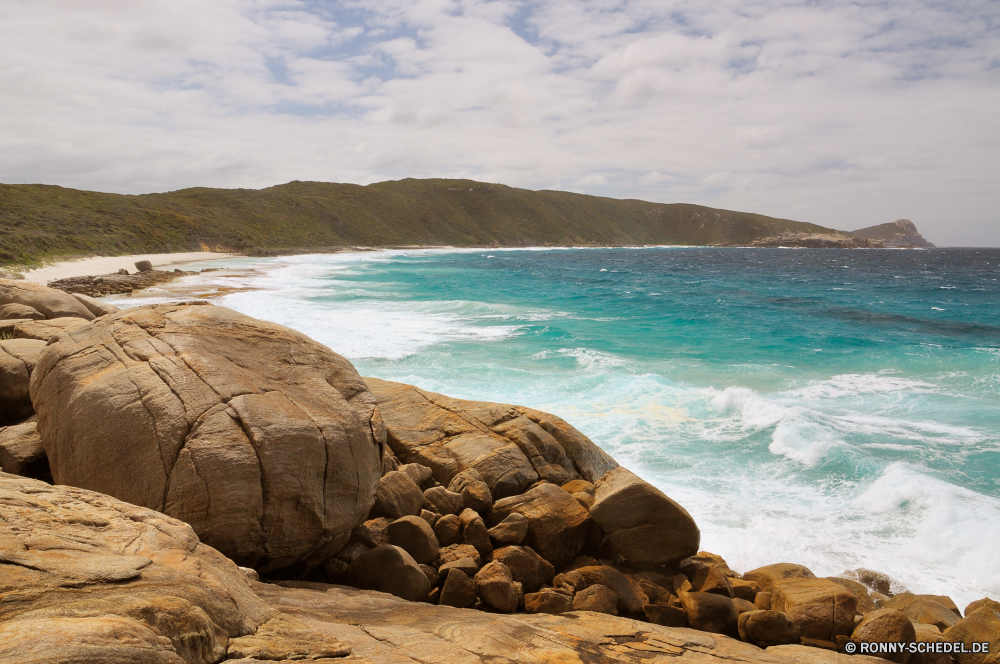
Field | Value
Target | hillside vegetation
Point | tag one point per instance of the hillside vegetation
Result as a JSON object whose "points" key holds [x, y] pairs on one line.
{"points": [[44, 222]]}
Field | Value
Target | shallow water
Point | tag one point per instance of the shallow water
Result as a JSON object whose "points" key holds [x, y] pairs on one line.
{"points": [[834, 408]]}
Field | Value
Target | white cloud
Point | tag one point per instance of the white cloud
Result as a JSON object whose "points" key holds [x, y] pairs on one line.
{"points": [[841, 113]]}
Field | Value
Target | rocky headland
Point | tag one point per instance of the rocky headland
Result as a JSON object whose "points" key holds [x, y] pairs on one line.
{"points": [[183, 483], [901, 233]]}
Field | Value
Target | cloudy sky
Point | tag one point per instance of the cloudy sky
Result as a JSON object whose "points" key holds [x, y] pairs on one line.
{"points": [[845, 114]]}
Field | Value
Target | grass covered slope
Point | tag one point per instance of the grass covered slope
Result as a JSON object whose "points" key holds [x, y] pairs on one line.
{"points": [[39, 222]]}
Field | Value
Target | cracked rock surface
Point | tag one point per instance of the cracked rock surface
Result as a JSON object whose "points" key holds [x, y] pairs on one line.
{"points": [[265, 441]]}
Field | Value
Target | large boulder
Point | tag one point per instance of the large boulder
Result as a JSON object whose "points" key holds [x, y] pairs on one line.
{"points": [[49, 301], [87, 578], [526, 567], [22, 453], [926, 609], [883, 626], [767, 628], [265, 441], [557, 527], [643, 524], [397, 496], [979, 626], [511, 447], [821, 609], [597, 598], [709, 612], [415, 536], [18, 358], [495, 586]]}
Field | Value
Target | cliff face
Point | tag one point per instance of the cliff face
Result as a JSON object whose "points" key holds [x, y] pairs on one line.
{"points": [[901, 233]]}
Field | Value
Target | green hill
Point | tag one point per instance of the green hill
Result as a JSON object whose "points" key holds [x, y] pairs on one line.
{"points": [[44, 222]]}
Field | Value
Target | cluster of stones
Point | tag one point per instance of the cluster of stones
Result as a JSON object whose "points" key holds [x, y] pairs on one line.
{"points": [[276, 453], [118, 283]]}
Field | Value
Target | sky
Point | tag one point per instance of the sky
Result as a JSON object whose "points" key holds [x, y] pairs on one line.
{"points": [[844, 114]]}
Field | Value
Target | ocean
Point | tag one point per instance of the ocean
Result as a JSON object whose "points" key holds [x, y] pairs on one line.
{"points": [[834, 408]]}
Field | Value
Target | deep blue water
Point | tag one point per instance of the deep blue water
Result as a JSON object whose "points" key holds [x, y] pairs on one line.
{"points": [[837, 408]]}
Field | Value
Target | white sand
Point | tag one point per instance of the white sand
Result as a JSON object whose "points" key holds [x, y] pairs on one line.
{"points": [[108, 264]]}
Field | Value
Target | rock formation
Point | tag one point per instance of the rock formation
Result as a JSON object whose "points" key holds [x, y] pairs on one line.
{"points": [[896, 234]]}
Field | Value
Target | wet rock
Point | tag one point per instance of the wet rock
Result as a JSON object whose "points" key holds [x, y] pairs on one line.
{"points": [[709, 612], [397, 496], [643, 524], [884, 625], [495, 586], [414, 535], [526, 566], [389, 569], [557, 523], [459, 590], [260, 438], [874, 581], [511, 530], [443, 501], [821, 609], [767, 628], [597, 598]]}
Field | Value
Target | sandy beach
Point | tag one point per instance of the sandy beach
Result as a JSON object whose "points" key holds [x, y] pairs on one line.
{"points": [[109, 264]]}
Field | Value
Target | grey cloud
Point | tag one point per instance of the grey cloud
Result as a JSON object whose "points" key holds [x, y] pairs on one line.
{"points": [[845, 114]]}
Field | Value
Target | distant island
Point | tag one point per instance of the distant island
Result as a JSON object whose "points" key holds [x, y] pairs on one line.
{"points": [[46, 222]]}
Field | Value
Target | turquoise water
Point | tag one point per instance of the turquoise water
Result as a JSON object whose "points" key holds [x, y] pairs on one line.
{"points": [[833, 408]]}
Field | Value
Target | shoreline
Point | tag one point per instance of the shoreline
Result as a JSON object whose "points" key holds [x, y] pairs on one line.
{"points": [[97, 265]]}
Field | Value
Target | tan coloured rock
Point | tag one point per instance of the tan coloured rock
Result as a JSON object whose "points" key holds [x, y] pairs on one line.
{"points": [[45, 330], [441, 500], [643, 524], [467, 565], [709, 612], [265, 441], [883, 626], [766, 576], [547, 601], [397, 496], [767, 628], [372, 533], [526, 567], [980, 603], [712, 580], [510, 446], [512, 530], [929, 634], [631, 598], [860, 591], [459, 590], [96, 307], [744, 589], [21, 451], [448, 530], [49, 301], [414, 535], [418, 473], [982, 625], [924, 609], [456, 552], [820, 609], [802, 654], [17, 360], [874, 581], [474, 532], [762, 601], [495, 586], [86, 577], [597, 598], [389, 569], [557, 525], [20, 311]]}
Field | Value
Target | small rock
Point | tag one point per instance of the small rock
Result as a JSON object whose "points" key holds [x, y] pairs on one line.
{"points": [[885, 625], [767, 628], [876, 581], [597, 598], [417, 472], [476, 496], [495, 586], [474, 532], [397, 496], [711, 580], [389, 569], [743, 606], [467, 565], [666, 615], [511, 530], [762, 601], [767, 575], [416, 537], [744, 589], [585, 499], [432, 574], [352, 552], [372, 533], [458, 590], [860, 591], [578, 486], [143, 266], [443, 501], [458, 552], [526, 566], [448, 530], [430, 517], [709, 612], [822, 609], [547, 601]]}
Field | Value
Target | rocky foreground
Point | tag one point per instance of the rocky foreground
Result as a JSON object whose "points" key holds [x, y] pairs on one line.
{"points": [[160, 461]]}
